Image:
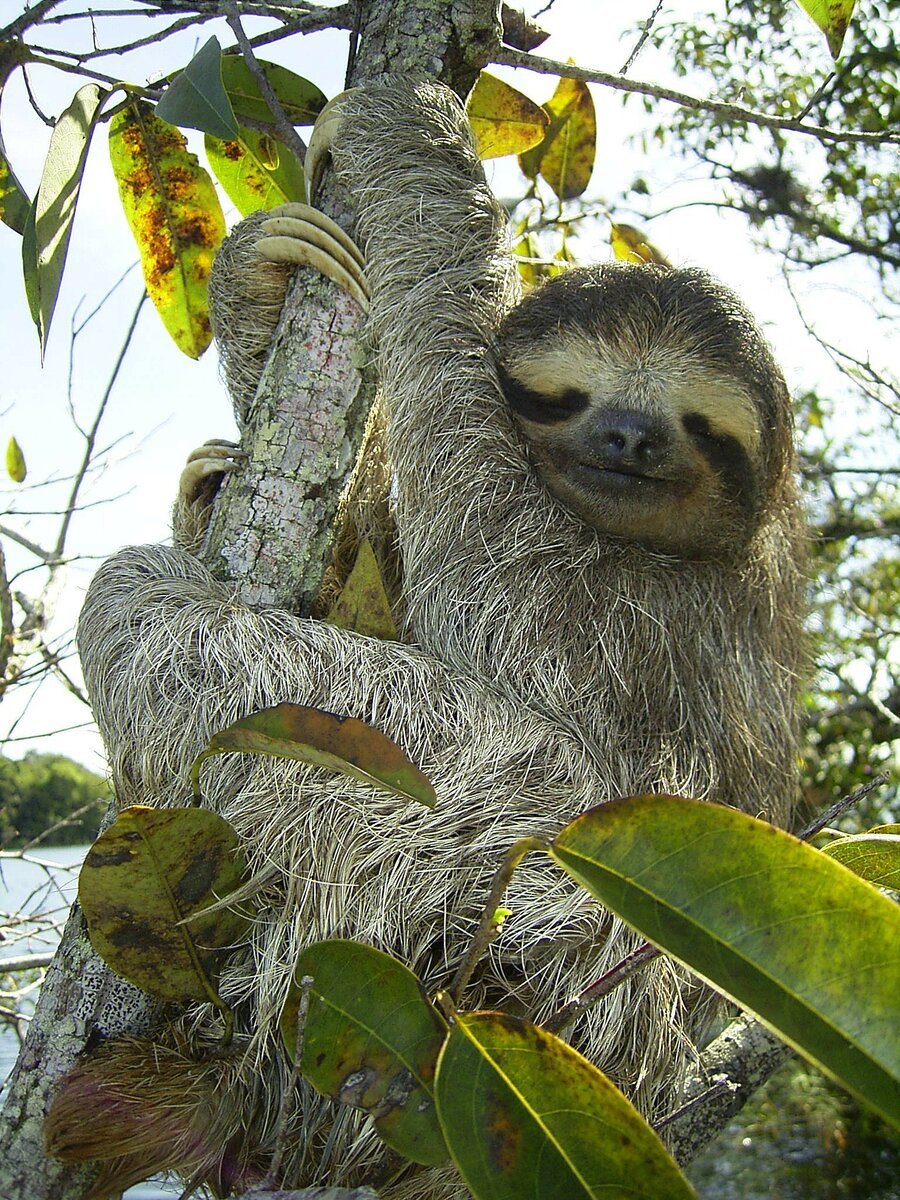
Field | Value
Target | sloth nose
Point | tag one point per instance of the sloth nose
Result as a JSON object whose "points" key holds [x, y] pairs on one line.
{"points": [[624, 438]]}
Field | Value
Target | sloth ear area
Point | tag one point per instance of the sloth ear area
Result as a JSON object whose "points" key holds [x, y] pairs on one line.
{"points": [[301, 236]]}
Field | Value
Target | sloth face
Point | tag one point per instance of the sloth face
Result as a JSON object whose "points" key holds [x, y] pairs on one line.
{"points": [[651, 409]]}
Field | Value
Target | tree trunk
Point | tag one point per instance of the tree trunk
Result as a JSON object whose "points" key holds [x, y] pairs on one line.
{"points": [[271, 536]]}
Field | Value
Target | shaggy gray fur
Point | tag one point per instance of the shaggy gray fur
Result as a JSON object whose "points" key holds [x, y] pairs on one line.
{"points": [[548, 668]]}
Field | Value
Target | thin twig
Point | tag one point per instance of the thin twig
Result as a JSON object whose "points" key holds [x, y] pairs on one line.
{"points": [[840, 806], [732, 112], [642, 40], [487, 927], [286, 130], [601, 987]]}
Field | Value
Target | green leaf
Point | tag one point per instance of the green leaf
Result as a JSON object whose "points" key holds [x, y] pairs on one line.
{"points": [[196, 98], [174, 213], [872, 856], [775, 924], [15, 461], [371, 1039], [314, 736], [301, 100], [57, 196], [503, 120], [256, 171], [832, 17], [363, 605], [150, 870], [525, 1115]]}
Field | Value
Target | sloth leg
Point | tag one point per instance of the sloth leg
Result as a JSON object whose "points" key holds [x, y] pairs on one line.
{"points": [[305, 237]]}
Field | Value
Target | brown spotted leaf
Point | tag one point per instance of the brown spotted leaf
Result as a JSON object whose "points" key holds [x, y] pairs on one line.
{"points": [[152, 869], [363, 604], [257, 171], [524, 1114], [371, 1039], [565, 157], [300, 100], [503, 120], [311, 735], [174, 213]]}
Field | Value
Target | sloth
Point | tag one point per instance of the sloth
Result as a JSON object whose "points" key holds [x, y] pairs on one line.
{"points": [[600, 546]]}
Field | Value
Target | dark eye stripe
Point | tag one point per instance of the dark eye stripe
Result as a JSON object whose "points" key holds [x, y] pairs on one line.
{"points": [[538, 407], [728, 459]]}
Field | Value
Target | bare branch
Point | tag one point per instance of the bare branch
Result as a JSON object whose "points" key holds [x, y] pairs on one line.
{"points": [[730, 112]]}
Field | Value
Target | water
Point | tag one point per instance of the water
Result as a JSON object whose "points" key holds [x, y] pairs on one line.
{"points": [[42, 888]]}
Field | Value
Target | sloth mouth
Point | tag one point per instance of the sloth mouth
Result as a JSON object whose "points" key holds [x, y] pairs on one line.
{"points": [[621, 478]]}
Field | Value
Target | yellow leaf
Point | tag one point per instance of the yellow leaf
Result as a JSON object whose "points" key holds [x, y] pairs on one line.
{"points": [[174, 213], [565, 158], [363, 604], [630, 245], [15, 462], [503, 120]]}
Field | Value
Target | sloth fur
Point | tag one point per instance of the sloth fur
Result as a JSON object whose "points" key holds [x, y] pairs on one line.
{"points": [[546, 663]]}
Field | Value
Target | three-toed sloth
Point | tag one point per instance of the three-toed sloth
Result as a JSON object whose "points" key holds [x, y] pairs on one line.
{"points": [[600, 544]]}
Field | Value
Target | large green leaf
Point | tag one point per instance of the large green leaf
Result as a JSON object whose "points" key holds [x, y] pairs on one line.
{"points": [[152, 869], [524, 1114], [776, 925], [301, 100], [171, 205], [311, 735], [256, 170], [371, 1039], [196, 98], [57, 196]]}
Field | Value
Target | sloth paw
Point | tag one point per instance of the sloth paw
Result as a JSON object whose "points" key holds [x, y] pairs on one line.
{"points": [[198, 486], [305, 237]]}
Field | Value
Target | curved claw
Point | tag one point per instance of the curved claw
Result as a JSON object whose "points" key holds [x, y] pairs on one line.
{"points": [[214, 458], [303, 236], [324, 132]]}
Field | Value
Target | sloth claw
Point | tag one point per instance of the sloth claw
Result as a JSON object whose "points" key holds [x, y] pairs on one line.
{"points": [[214, 458], [303, 236]]}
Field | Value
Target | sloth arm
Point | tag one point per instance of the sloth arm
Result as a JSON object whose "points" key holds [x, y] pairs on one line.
{"points": [[470, 511]]}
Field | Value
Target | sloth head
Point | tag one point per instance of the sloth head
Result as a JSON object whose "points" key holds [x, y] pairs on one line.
{"points": [[651, 405]]}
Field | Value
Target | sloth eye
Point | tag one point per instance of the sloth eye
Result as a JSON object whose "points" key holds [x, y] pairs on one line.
{"points": [[698, 428], [728, 459], [538, 406]]}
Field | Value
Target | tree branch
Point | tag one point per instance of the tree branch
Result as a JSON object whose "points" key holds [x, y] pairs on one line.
{"points": [[729, 112]]}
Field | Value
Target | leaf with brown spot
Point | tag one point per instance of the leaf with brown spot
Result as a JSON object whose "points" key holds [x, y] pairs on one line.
{"points": [[174, 213], [322, 739], [503, 119], [256, 171], [371, 1039], [523, 1114], [565, 157], [363, 605], [142, 878]]}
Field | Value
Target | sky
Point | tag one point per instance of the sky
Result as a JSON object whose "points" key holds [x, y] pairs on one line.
{"points": [[164, 404]]}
